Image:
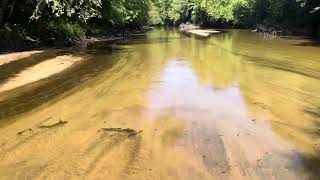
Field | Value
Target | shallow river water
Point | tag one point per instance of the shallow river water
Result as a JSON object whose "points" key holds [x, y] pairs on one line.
{"points": [[168, 105]]}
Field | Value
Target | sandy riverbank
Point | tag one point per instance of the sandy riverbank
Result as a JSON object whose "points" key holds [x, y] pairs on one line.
{"points": [[7, 58], [37, 64], [203, 32], [22, 68], [40, 71]]}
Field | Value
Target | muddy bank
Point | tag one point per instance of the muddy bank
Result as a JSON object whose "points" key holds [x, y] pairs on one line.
{"points": [[10, 46], [17, 43]]}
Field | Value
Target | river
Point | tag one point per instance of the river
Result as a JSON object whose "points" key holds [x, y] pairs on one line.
{"points": [[168, 105]]}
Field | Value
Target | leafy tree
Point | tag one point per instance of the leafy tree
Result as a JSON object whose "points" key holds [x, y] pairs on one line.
{"points": [[154, 15], [67, 18], [82, 9]]}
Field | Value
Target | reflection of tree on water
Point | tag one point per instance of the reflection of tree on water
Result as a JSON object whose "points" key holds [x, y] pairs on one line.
{"points": [[213, 65]]}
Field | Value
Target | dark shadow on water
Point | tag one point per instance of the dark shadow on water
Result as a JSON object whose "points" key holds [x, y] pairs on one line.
{"points": [[305, 41], [166, 37], [270, 63], [309, 43], [96, 48], [144, 41], [28, 97], [315, 112], [312, 162], [312, 166]]}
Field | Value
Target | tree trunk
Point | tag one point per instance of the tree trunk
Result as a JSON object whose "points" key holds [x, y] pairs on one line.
{"points": [[3, 8]]}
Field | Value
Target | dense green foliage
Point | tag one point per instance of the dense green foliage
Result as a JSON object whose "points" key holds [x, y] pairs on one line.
{"points": [[70, 19], [289, 13]]}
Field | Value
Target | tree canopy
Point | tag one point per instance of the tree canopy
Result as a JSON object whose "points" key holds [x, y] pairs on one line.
{"points": [[76, 17]]}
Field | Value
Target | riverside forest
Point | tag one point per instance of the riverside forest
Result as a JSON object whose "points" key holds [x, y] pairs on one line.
{"points": [[160, 89]]}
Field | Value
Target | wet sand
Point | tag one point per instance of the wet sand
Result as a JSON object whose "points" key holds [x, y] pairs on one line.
{"points": [[168, 106]]}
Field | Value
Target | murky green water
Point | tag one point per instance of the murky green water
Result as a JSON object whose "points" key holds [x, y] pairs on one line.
{"points": [[234, 105]]}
